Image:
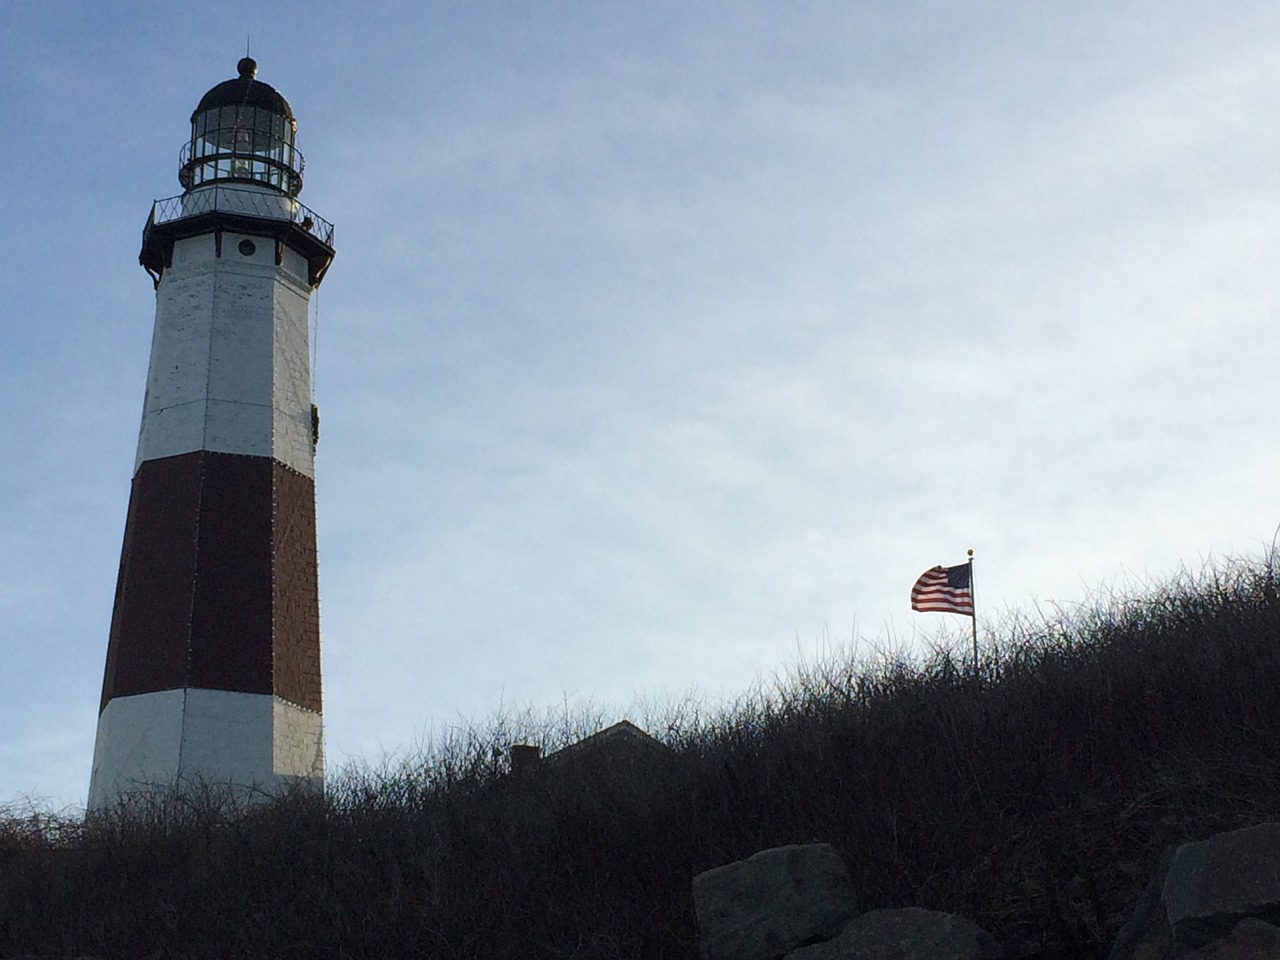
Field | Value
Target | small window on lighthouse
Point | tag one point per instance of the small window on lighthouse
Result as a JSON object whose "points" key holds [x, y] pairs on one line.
{"points": [[247, 248]]}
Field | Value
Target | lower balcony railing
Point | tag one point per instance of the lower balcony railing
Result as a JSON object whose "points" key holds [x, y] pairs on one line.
{"points": [[267, 205]]}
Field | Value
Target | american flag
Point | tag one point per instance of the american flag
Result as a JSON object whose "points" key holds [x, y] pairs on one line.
{"points": [[944, 590]]}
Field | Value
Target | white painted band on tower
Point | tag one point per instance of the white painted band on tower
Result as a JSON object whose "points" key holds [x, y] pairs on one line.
{"points": [[230, 363]]}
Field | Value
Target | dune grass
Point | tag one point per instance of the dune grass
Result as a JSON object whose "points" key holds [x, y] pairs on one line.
{"points": [[1033, 797]]}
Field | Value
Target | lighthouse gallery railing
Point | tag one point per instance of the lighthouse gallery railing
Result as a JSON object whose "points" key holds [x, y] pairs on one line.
{"points": [[246, 203]]}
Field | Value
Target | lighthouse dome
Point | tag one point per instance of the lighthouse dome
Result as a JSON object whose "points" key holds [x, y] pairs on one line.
{"points": [[245, 90], [243, 130]]}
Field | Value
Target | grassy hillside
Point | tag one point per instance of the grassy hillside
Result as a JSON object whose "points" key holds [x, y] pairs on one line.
{"points": [[1034, 798]]}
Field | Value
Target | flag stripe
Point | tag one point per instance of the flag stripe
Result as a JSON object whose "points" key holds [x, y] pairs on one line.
{"points": [[944, 590]]}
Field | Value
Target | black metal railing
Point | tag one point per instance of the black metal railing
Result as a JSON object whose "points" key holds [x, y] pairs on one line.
{"points": [[281, 168], [216, 198]]}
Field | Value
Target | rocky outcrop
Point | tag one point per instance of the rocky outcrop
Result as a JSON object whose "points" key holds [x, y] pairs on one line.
{"points": [[797, 903], [1217, 898], [909, 933], [1250, 939], [1214, 884], [765, 906]]}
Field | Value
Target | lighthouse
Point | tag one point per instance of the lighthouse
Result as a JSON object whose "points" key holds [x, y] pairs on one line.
{"points": [[213, 660]]}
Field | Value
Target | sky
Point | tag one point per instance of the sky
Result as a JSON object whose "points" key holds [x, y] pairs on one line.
{"points": [[666, 344]]}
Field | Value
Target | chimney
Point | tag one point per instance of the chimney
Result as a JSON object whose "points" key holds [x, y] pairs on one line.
{"points": [[525, 759]]}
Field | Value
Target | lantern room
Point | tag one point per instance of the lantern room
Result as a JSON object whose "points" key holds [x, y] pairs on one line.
{"points": [[243, 131]]}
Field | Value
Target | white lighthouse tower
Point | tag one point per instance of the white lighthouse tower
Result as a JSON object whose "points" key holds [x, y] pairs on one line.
{"points": [[213, 662]]}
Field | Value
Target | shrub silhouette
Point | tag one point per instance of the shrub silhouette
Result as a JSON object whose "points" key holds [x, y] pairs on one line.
{"points": [[1033, 796]]}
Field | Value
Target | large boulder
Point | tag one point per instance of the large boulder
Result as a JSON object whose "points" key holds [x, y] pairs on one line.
{"points": [[1214, 884], [1250, 939], [909, 933], [765, 906]]}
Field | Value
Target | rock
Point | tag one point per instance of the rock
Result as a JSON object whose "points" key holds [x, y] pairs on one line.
{"points": [[1213, 884], [826, 950], [1146, 935], [1250, 939], [765, 906], [910, 933]]}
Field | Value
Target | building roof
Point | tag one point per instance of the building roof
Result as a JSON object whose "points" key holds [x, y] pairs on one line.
{"points": [[624, 737]]}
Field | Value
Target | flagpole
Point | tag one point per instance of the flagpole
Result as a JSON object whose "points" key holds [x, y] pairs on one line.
{"points": [[974, 601]]}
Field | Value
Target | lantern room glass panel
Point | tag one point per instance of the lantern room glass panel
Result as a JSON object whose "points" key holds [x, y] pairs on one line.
{"points": [[245, 143]]}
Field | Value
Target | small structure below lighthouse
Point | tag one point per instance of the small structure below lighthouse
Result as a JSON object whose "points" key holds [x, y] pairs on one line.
{"points": [[213, 662]]}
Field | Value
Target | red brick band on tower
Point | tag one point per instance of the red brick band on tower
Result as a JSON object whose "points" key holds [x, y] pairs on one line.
{"points": [[217, 585]]}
